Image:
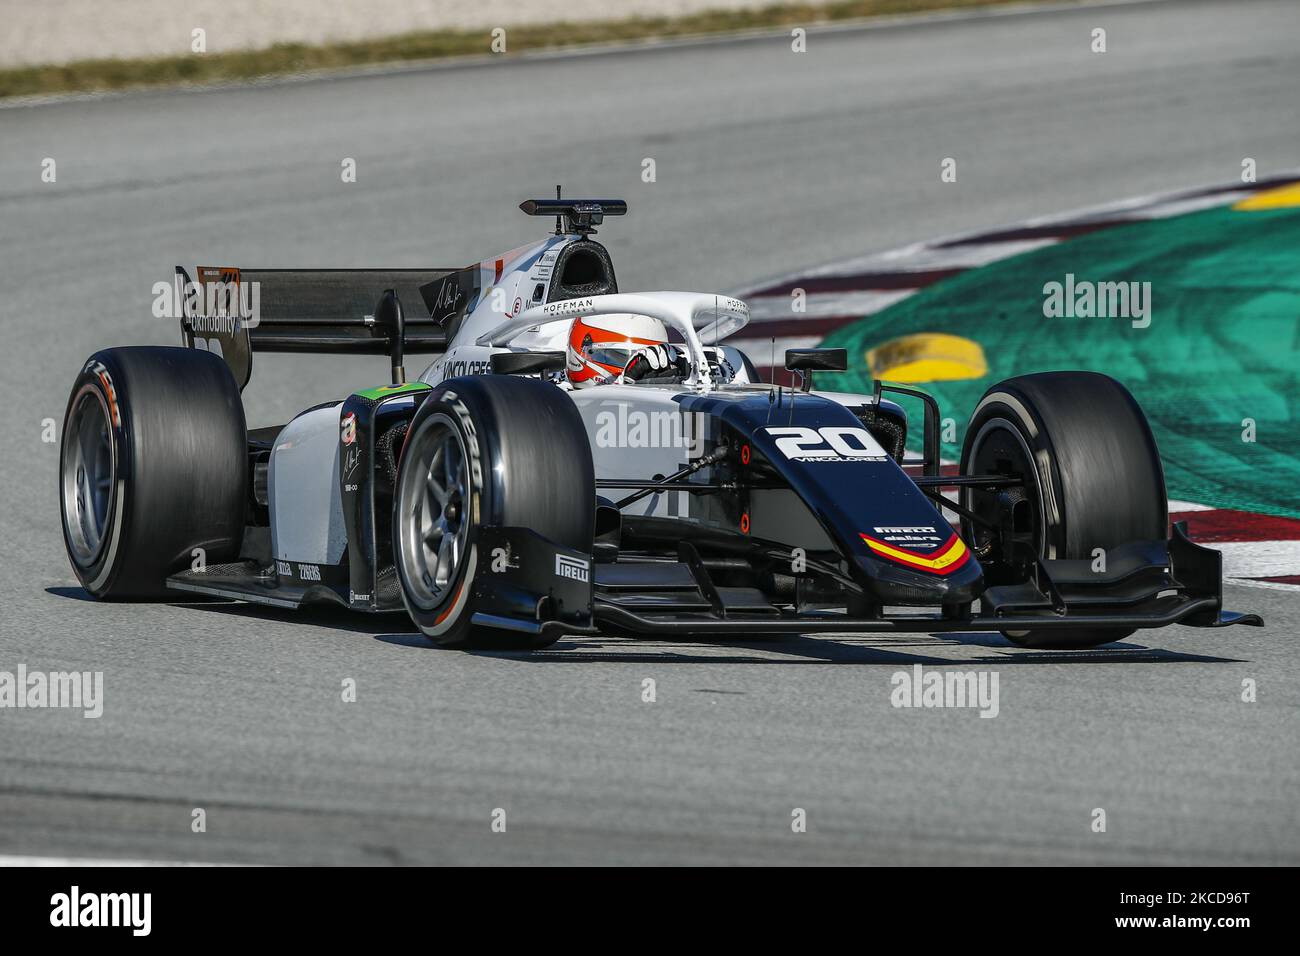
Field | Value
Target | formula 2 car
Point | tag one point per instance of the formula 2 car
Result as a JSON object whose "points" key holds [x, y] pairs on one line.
{"points": [[501, 508]]}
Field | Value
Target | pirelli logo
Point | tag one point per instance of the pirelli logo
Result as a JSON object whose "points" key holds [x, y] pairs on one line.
{"points": [[578, 569]]}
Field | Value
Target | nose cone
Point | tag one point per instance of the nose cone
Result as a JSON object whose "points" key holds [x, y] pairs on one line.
{"points": [[948, 574]]}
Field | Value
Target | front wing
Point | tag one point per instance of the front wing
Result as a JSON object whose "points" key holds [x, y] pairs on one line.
{"points": [[537, 587]]}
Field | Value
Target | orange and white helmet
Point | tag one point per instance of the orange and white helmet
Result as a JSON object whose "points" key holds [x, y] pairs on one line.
{"points": [[602, 345]]}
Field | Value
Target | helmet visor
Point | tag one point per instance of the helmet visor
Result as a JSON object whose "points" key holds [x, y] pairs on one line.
{"points": [[609, 354]]}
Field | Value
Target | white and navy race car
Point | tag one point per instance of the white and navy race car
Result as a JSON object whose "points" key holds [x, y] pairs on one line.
{"points": [[578, 459]]}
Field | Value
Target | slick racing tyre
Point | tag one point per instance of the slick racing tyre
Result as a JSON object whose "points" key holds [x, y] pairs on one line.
{"points": [[485, 450], [153, 466], [1094, 480]]}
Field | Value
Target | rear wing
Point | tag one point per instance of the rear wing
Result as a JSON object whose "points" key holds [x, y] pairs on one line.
{"points": [[236, 311]]}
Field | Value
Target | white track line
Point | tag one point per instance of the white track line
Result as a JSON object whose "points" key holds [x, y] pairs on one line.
{"points": [[1258, 559], [857, 304], [67, 861]]}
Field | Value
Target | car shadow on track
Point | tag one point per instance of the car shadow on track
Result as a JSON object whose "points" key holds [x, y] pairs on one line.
{"points": [[322, 615], [316, 615], [947, 650], [876, 649], [73, 594]]}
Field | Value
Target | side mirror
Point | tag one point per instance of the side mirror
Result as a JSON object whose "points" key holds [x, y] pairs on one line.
{"points": [[811, 360], [526, 363], [808, 361], [389, 318]]}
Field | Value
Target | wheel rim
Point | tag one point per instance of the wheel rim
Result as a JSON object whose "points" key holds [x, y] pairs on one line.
{"points": [[433, 526], [1000, 448], [88, 473]]}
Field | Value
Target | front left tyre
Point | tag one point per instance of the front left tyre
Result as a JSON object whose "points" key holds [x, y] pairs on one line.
{"points": [[152, 470]]}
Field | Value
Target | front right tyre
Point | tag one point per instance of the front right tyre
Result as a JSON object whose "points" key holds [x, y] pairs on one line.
{"points": [[485, 450]]}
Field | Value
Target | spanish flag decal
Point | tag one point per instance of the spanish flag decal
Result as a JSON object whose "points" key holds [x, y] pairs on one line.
{"points": [[943, 561]]}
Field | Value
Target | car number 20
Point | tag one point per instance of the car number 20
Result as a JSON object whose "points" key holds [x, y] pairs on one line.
{"points": [[838, 442]]}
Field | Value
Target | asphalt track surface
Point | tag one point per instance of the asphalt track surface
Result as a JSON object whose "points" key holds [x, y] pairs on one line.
{"points": [[766, 161]]}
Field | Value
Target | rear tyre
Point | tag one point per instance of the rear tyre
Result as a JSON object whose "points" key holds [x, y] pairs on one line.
{"points": [[485, 450], [153, 466], [1094, 479]]}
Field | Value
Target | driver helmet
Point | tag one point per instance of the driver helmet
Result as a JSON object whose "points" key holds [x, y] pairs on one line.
{"points": [[601, 346]]}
